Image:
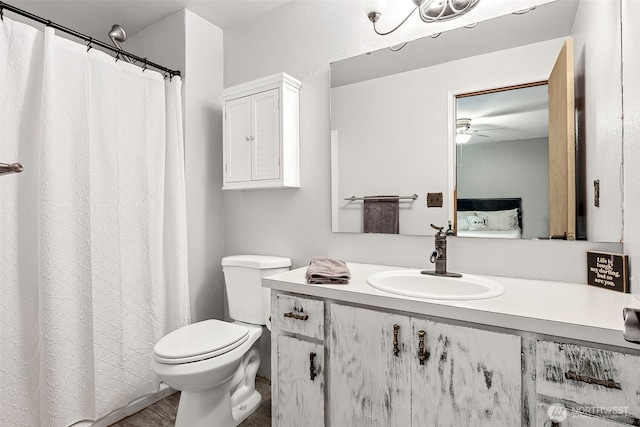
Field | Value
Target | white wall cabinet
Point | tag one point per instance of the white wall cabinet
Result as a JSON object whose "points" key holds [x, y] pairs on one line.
{"points": [[466, 376], [261, 134]]}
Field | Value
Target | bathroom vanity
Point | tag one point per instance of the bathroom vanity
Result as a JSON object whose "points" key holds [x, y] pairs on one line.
{"points": [[542, 353]]}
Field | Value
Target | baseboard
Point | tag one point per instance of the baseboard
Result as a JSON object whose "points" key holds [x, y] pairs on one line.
{"points": [[133, 407]]}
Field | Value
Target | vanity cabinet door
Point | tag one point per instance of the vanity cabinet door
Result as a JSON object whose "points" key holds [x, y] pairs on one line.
{"points": [[370, 379], [589, 377], [551, 416], [300, 398], [469, 377]]}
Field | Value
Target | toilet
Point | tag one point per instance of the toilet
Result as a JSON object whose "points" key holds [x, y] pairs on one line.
{"points": [[214, 363]]}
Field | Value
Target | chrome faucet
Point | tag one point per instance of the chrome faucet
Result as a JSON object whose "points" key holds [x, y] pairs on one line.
{"points": [[439, 255]]}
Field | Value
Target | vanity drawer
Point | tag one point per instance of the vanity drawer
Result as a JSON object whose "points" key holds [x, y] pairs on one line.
{"points": [[549, 415], [298, 315], [588, 376]]}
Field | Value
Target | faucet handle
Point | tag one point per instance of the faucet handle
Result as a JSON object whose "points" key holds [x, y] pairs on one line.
{"points": [[450, 231], [440, 233]]}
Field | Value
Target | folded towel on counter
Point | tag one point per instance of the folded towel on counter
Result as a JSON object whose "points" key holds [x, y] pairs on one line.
{"points": [[327, 271]]}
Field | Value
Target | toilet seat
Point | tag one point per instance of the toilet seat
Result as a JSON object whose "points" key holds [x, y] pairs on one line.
{"points": [[199, 341]]}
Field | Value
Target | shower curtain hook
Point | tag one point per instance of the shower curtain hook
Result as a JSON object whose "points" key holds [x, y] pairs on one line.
{"points": [[144, 67], [2, 12], [89, 46], [117, 55]]}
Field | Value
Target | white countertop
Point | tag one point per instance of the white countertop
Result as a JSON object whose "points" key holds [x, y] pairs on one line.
{"points": [[570, 310]]}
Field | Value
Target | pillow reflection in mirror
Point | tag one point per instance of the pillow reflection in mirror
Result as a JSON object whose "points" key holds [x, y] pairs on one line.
{"points": [[476, 223], [500, 220], [461, 218]]}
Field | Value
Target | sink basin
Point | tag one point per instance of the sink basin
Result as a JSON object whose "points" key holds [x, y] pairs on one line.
{"points": [[412, 283]]}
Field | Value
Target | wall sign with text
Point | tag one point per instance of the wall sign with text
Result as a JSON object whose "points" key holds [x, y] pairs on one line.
{"points": [[609, 271]]}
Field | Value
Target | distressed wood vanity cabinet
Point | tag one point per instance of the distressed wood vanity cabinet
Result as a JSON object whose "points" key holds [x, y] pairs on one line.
{"points": [[399, 364], [261, 134]]}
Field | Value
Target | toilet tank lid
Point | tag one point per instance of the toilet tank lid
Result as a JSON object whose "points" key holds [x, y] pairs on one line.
{"points": [[261, 262]]}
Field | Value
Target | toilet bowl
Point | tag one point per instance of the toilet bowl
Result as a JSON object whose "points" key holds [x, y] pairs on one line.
{"points": [[214, 363]]}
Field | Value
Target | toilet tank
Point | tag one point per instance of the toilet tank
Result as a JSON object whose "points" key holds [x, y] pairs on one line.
{"points": [[248, 301]]}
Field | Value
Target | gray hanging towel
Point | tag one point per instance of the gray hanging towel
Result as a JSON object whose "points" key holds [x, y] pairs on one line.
{"points": [[382, 214]]}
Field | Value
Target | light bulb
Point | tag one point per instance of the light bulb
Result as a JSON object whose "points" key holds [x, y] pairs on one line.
{"points": [[463, 138]]}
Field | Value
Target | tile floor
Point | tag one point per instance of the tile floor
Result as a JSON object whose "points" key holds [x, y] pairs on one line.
{"points": [[163, 413]]}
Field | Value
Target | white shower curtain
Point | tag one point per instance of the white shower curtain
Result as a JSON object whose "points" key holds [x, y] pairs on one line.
{"points": [[93, 267]]}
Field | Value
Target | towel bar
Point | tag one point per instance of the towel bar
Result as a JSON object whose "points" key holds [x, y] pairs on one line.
{"points": [[10, 168], [354, 198]]}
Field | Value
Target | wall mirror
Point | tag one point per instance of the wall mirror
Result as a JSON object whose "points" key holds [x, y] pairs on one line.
{"points": [[396, 116]]}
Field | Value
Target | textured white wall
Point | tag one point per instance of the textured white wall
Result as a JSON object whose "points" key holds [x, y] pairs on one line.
{"points": [[302, 39], [631, 58], [203, 157], [187, 42], [597, 47]]}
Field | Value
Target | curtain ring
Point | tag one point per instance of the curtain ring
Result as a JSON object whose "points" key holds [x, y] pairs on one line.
{"points": [[89, 46], [117, 55], [144, 67], [2, 13]]}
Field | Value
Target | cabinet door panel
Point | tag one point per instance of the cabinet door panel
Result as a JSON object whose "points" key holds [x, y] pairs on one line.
{"points": [[563, 417], [300, 400], [588, 376], [266, 134], [370, 386], [238, 139], [470, 377]]}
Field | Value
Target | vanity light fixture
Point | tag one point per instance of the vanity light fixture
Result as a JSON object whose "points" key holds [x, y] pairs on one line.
{"points": [[429, 11]]}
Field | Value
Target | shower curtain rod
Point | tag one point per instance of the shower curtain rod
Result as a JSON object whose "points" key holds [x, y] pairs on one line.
{"points": [[92, 42]]}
